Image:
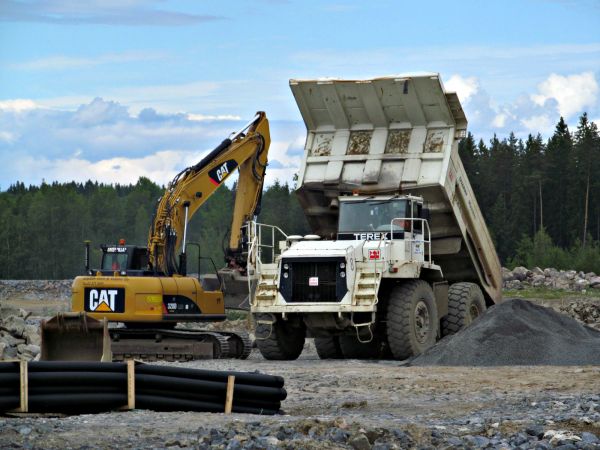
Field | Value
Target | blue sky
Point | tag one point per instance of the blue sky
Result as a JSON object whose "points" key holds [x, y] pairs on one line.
{"points": [[115, 89]]}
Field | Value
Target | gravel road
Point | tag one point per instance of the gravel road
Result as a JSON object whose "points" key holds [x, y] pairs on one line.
{"points": [[360, 405]]}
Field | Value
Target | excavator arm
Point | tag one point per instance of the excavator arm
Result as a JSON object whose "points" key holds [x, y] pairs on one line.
{"points": [[246, 151]]}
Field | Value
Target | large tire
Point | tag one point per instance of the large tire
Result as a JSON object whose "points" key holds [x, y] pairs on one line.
{"points": [[282, 342], [412, 319], [352, 348], [465, 304], [328, 347]]}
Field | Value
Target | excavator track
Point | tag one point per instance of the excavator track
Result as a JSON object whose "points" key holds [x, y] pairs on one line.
{"points": [[177, 345], [240, 345]]}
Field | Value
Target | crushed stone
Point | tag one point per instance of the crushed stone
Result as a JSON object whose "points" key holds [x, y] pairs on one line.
{"points": [[517, 332]]}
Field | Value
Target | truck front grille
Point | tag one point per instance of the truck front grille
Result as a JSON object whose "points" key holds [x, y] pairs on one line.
{"points": [[296, 288]]}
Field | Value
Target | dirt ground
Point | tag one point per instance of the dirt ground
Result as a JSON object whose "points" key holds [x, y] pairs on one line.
{"points": [[356, 404]]}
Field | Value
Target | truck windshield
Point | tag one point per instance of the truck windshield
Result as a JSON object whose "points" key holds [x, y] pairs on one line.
{"points": [[370, 215]]}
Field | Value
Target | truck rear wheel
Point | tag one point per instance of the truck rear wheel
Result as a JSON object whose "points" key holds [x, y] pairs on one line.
{"points": [[352, 348], [281, 341], [412, 319], [328, 347], [465, 304]]}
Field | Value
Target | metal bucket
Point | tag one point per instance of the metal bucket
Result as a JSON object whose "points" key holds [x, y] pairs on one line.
{"points": [[75, 337]]}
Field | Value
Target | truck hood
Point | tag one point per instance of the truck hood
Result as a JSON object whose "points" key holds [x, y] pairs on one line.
{"points": [[324, 248]]}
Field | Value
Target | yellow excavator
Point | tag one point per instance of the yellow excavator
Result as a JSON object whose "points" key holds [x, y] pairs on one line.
{"points": [[147, 288]]}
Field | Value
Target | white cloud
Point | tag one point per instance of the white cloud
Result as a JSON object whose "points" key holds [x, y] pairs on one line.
{"points": [[536, 112], [536, 124], [573, 93], [17, 105], [500, 120], [101, 140], [7, 136], [160, 167], [108, 12], [60, 62], [204, 117], [464, 87]]}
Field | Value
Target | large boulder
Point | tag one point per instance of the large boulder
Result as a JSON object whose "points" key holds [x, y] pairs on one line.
{"points": [[513, 284], [520, 273], [538, 280], [14, 325]]}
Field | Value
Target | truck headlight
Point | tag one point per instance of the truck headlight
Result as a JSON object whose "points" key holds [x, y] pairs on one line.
{"points": [[343, 274], [342, 265], [286, 266], [285, 275]]}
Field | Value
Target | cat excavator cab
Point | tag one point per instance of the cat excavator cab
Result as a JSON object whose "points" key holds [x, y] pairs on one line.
{"points": [[146, 290]]}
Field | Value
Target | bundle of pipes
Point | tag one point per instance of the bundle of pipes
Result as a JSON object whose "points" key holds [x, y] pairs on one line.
{"points": [[78, 387]]}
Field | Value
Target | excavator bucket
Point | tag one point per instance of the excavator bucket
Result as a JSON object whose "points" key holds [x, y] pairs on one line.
{"points": [[75, 337]]}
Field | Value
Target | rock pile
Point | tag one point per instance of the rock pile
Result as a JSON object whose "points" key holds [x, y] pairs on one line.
{"points": [[588, 313], [35, 289], [521, 277], [517, 332], [18, 338]]}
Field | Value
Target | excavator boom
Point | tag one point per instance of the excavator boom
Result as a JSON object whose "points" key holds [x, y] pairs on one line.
{"points": [[246, 151]]}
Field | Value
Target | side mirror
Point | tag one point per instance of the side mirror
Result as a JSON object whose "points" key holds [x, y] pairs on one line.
{"points": [[425, 214]]}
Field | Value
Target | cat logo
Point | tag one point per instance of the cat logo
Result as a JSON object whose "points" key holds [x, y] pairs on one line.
{"points": [[220, 173], [104, 300]]}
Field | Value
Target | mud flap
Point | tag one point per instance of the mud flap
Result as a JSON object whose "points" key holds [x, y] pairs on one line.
{"points": [[75, 337]]}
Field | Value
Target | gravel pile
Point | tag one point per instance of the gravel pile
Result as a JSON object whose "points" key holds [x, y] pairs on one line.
{"points": [[517, 332], [19, 339]]}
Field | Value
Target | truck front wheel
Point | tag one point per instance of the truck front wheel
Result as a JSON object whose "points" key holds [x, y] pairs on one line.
{"points": [[412, 319], [279, 341], [328, 347], [465, 304]]}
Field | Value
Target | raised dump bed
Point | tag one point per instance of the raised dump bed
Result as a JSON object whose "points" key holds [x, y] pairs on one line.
{"points": [[395, 135]]}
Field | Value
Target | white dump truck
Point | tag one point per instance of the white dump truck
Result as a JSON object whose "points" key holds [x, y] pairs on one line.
{"points": [[400, 254]]}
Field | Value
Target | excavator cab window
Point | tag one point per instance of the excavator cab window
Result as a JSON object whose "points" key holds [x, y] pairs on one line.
{"points": [[114, 261]]}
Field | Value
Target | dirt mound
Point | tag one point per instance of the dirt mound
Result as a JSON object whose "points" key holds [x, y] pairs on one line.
{"points": [[517, 332]]}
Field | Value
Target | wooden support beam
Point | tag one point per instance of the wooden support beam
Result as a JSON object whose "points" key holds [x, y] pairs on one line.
{"points": [[229, 396], [24, 382], [130, 384]]}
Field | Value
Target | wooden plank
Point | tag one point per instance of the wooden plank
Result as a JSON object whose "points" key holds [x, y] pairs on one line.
{"points": [[229, 396], [130, 384], [24, 382]]}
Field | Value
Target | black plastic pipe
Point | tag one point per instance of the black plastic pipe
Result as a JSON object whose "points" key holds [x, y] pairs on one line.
{"points": [[76, 366], [91, 386], [9, 402], [82, 366], [212, 375], [164, 404], [188, 384], [76, 402], [77, 378], [272, 404]]}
